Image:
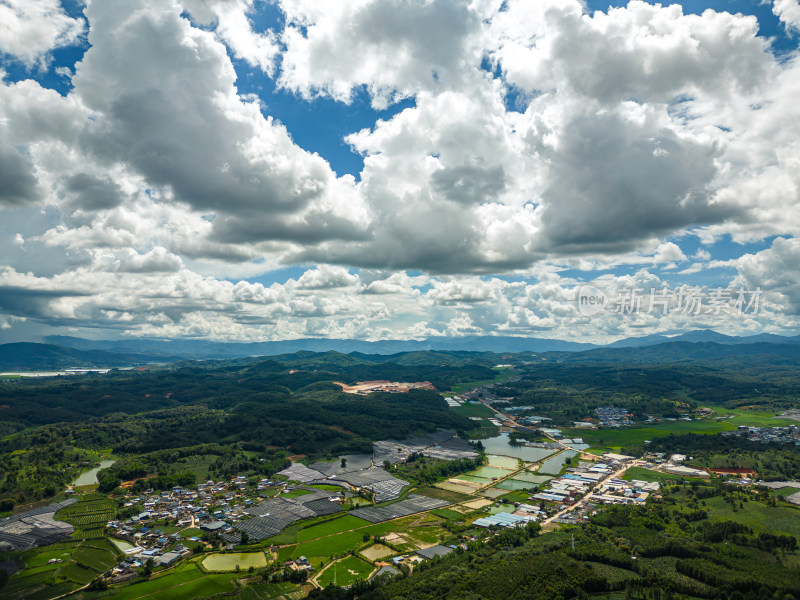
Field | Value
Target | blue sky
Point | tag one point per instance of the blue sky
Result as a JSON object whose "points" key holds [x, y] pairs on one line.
{"points": [[289, 169]]}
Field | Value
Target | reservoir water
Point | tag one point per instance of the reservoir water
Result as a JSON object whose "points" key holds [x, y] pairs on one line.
{"points": [[90, 477], [500, 445]]}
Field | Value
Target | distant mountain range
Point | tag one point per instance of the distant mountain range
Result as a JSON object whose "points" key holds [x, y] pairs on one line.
{"points": [[27, 356], [63, 351], [201, 349], [704, 335], [680, 351]]}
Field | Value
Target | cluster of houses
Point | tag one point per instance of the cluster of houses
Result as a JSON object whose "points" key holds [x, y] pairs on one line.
{"points": [[618, 491], [577, 481], [613, 416], [214, 506], [776, 435]]}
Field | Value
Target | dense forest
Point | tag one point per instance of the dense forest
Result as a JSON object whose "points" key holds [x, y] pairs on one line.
{"points": [[568, 392], [202, 417]]}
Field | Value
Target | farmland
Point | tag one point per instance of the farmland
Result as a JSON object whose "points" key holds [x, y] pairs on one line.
{"points": [[83, 557], [186, 581], [337, 547], [234, 561], [615, 439], [346, 572]]}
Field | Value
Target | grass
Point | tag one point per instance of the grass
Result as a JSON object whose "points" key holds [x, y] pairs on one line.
{"points": [[94, 558], [341, 542], [643, 474], [614, 439], [328, 528], [295, 493], [346, 572], [502, 375], [774, 519], [327, 488], [265, 591], [446, 513], [185, 581], [751, 418], [285, 553], [516, 496], [229, 562]]}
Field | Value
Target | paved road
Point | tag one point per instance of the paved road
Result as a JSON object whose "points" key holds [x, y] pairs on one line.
{"points": [[563, 446], [616, 474]]}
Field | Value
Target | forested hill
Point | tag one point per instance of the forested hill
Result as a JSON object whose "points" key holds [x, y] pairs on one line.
{"points": [[290, 403], [681, 351], [699, 345], [29, 357]]}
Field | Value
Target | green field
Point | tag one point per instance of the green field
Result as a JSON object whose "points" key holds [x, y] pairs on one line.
{"points": [[346, 572], [774, 519], [473, 410], [185, 581], [229, 562], [295, 493], [328, 528], [643, 474], [342, 542], [423, 527], [446, 513], [268, 591], [460, 388], [751, 418], [614, 439], [84, 556], [285, 553]]}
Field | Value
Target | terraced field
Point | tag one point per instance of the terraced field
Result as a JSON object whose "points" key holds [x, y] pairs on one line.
{"points": [[83, 557]]}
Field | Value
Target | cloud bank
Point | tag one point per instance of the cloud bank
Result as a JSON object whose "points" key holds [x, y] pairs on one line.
{"points": [[544, 146]]}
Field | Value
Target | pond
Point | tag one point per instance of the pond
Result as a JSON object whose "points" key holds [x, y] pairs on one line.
{"points": [[229, 562], [490, 472], [90, 477], [530, 477], [555, 464], [516, 484], [500, 445]]}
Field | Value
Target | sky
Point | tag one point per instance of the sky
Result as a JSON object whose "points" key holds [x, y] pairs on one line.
{"points": [[252, 170]]}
